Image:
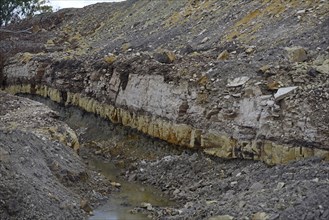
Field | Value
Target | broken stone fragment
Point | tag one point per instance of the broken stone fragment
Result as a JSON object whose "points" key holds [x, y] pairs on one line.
{"points": [[176, 191], [280, 185], [239, 81], [259, 216], [85, 205], [115, 184], [26, 57], [211, 202], [301, 12], [147, 206], [110, 58], [183, 108], [264, 69], [165, 57], [284, 92], [223, 55], [187, 49], [212, 112], [249, 50], [125, 47], [204, 40], [95, 76], [324, 68], [296, 54], [237, 95], [222, 217], [50, 43], [4, 155], [257, 186], [270, 103], [273, 85], [171, 56]]}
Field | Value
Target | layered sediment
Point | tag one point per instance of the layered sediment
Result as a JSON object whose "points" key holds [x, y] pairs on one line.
{"points": [[182, 134]]}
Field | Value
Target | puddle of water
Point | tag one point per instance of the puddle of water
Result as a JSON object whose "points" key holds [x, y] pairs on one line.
{"points": [[131, 195], [112, 210]]}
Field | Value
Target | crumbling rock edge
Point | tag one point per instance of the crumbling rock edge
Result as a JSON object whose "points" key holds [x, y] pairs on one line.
{"points": [[33, 117], [220, 145]]}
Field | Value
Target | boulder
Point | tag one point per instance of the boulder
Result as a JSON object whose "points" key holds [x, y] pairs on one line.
{"points": [[296, 54]]}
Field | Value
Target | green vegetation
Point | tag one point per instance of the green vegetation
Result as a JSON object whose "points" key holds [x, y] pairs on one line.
{"points": [[14, 10]]}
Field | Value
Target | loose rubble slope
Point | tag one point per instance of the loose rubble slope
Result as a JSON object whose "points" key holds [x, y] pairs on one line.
{"points": [[212, 189], [41, 176]]}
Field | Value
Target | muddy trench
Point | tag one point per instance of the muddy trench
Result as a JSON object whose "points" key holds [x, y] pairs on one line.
{"points": [[111, 150], [155, 180]]}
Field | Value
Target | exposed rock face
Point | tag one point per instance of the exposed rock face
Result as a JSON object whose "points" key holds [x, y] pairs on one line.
{"points": [[109, 63]]}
